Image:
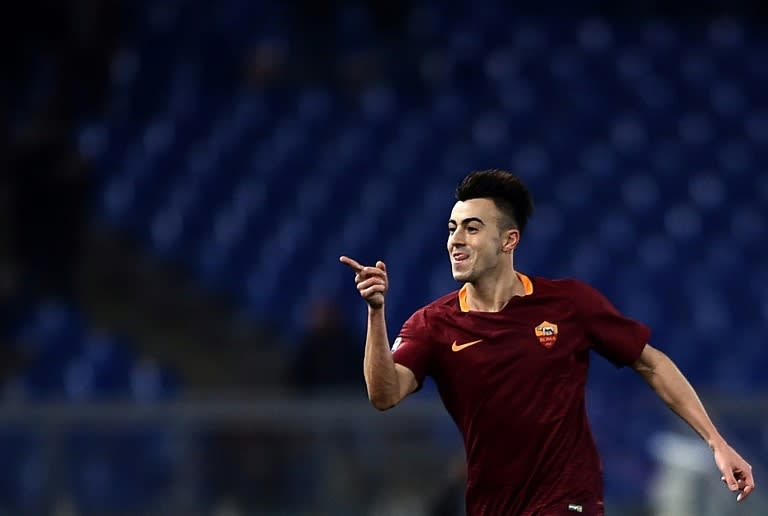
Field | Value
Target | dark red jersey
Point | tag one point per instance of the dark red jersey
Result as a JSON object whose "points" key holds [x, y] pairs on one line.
{"points": [[514, 383]]}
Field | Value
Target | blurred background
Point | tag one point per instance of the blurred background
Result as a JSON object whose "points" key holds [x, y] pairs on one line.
{"points": [[179, 178]]}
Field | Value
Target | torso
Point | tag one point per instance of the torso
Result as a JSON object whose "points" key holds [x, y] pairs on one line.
{"points": [[518, 396]]}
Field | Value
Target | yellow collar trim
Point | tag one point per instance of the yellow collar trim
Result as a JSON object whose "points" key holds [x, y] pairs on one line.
{"points": [[464, 292]]}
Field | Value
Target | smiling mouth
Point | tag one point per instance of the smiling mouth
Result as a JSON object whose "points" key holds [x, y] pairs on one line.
{"points": [[459, 257]]}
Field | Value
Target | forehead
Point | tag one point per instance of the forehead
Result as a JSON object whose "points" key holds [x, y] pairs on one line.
{"points": [[484, 209]]}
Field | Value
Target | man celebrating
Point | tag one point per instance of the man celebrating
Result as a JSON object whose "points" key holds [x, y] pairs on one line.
{"points": [[509, 354]]}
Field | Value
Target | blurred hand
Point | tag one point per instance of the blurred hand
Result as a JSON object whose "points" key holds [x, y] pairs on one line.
{"points": [[371, 282], [737, 473]]}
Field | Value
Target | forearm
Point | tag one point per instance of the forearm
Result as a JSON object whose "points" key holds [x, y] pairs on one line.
{"points": [[381, 376], [675, 390]]}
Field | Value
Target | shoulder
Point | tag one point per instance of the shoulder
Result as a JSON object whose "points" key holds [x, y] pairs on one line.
{"points": [[436, 308], [576, 291], [583, 297], [422, 323], [448, 301], [562, 286], [444, 303]]}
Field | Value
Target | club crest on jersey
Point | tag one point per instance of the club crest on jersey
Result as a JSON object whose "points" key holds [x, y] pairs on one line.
{"points": [[546, 332]]}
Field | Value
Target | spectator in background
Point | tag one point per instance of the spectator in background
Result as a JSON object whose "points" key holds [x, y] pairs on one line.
{"points": [[265, 65], [328, 357]]}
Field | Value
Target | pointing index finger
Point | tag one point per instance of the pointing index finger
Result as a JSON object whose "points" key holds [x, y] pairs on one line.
{"points": [[352, 264]]}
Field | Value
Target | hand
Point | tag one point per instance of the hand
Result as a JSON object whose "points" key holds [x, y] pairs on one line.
{"points": [[371, 282], [737, 473]]}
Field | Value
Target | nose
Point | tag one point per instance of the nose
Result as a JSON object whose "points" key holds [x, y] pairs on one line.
{"points": [[456, 238]]}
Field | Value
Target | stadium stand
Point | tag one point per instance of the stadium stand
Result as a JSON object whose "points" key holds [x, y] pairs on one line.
{"points": [[643, 140]]}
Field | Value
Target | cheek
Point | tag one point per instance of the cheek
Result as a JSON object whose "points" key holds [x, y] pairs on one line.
{"points": [[491, 249]]}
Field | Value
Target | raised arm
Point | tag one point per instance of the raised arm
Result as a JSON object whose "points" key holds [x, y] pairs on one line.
{"points": [[660, 372], [387, 382]]}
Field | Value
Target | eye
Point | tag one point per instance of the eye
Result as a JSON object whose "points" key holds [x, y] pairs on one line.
{"points": [[451, 229], [472, 229]]}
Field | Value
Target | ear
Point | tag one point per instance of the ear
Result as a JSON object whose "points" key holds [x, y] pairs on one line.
{"points": [[510, 239]]}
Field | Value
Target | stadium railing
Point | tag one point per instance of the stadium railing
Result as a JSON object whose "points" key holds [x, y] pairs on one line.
{"points": [[330, 455]]}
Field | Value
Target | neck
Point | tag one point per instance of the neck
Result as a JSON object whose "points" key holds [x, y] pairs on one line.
{"points": [[492, 293]]}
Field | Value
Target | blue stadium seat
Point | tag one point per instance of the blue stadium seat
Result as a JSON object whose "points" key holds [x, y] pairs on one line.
{"points": [[756, 126], [149, 381], [660, 37], [657, 251], [696, 129], [101, 371], [682, 222], [48, 335], [616, 231], [728, 99], [748, 226]]}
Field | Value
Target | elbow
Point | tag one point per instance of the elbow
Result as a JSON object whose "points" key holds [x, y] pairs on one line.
{"points": [[381, 403], [381, 407]]}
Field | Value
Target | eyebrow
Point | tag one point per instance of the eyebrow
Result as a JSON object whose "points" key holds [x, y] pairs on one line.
{"points": [[467, 221]]}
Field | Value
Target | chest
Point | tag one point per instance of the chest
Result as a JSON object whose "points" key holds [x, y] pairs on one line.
{"points": [[523, 343]]}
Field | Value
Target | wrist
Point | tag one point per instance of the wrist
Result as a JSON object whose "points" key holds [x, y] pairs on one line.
{"points": [[716, 442]]}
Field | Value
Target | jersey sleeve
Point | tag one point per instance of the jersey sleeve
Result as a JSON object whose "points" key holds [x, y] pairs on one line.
{"points": [[611, 334], [413, 346]]}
